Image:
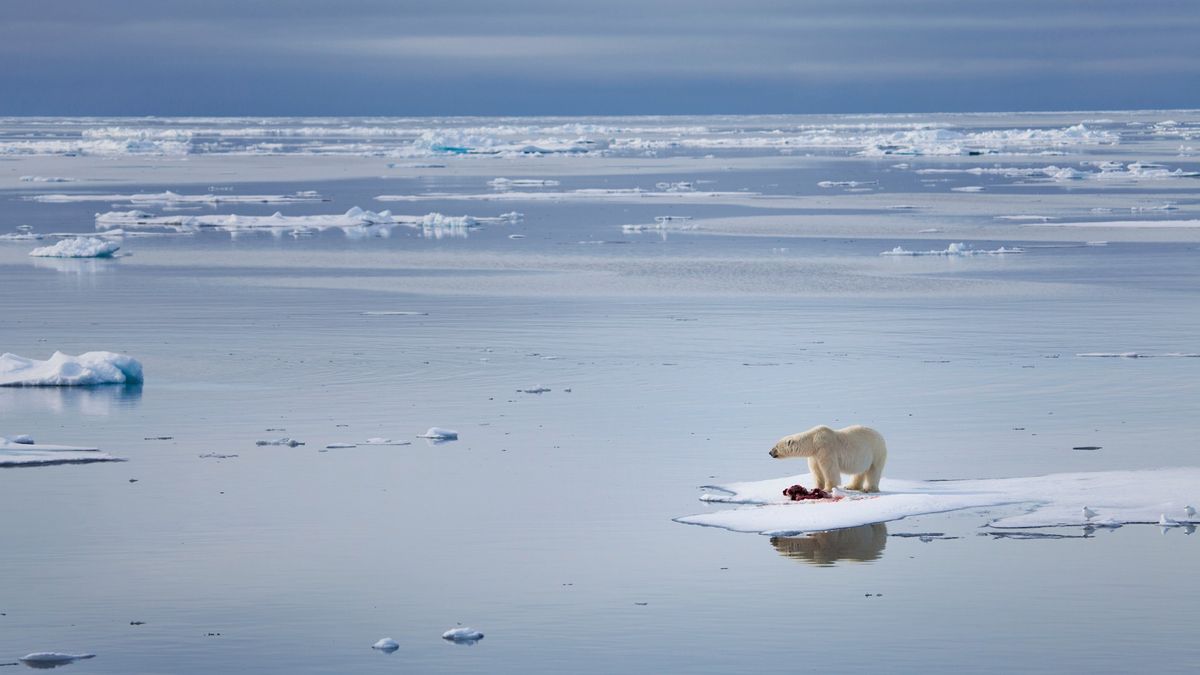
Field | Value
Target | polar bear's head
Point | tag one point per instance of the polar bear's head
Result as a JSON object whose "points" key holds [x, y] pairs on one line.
{"points": [[803, 444]]}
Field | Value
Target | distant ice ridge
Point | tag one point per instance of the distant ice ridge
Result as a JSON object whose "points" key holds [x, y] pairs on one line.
{"points": [[959, 249], [1108, 171], [169, 197], [582, 195], [1043, 501], [46, 179], [355, 222], [23, 451], [61, 370], [662, 223], [77, 247], [999, 141]]}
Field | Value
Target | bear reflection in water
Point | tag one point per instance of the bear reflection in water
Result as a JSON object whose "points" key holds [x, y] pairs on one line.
{"points": [[859, 544]]}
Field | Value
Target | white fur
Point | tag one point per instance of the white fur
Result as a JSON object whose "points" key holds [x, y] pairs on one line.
{"points": [[856, 450]]}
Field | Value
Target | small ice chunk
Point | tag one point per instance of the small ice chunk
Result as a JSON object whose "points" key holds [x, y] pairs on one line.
{"points": [[954, 249], [463, 635], [52, 659], [339, 446], [290, 442], [213, 455], [377, 440], [1164, 521], [440, 434], [534, 390], [26, 439], [386, 645], [77, 247]]}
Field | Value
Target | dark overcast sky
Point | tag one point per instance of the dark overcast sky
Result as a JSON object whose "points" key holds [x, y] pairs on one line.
{"points": [[472, 57]]}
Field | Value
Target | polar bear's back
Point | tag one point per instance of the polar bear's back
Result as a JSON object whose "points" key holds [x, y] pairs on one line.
{"points": [[860, 447]]}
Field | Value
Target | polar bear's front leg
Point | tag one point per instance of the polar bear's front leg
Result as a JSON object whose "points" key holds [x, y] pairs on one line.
{"points": [[856, 483], [830, 472], [815, 468]]}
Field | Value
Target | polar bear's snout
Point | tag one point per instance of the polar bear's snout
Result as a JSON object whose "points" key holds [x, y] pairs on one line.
{"points": [[774, 453]]}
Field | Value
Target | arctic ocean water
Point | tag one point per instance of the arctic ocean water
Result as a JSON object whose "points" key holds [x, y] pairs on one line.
{"points": [[675, 351]]}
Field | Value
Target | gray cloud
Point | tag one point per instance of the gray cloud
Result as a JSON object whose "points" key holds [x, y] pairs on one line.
{"points": [[306, 56]]}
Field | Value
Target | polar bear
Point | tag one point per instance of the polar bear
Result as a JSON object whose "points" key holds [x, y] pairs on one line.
{"points": [[856, 450]]}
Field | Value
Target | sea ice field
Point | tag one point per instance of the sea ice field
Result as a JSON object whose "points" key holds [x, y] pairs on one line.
{"points": [[314, 395]]}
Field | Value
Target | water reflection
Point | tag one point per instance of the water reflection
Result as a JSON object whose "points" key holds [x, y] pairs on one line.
{"points": [[864, 543], [96, 401]]}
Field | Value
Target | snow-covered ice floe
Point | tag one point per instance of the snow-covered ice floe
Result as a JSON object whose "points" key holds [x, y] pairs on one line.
{"points": [[1115, 497], [63, 370], [355, 222], [386, 645], [439, 434], [78, 247], [1139, 355], [463, 635], [580, 195], [1129, 224], [23, 451], [172, 198], [52, 659], [954, 249], [290, 442], [46, 179]]}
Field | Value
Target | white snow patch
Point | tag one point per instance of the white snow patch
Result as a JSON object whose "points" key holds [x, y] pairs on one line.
{"points": [[78, 247], [1047, 501], [62, 370]]}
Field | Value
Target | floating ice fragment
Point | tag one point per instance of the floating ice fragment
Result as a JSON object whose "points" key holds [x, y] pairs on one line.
{"points": [[89, 368], [378, 440], [26, 439], [534, 390], [213, 455], [1044, 501], [52, 659], [77, 247], [967, 188], [394, 313], [1164, 521], [1138, 355], [954, 249], [846, 183], [339, 446], [509, 183], [439, 434], [463, 635], [386, 645], [22, 451], [46, 179], [290, 442]]}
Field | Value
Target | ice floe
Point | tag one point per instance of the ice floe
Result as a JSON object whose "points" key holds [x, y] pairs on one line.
{"points": [[46, 179], [52, 659], [289, 442], [1058, 500], [510, 183], [355, 222], [1129, 224], [78, 247], [1138, 355], [954, 249], [463, 635], [22, 451], [386, 645], [439, 434], [580, 195], [60, 370], [169, 197]]}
